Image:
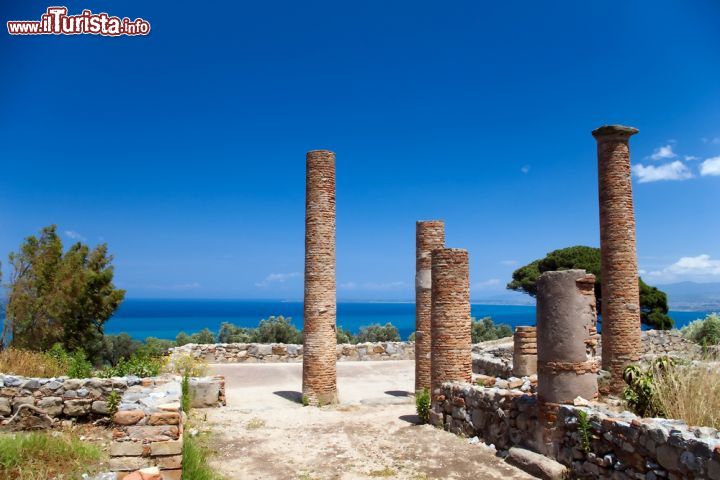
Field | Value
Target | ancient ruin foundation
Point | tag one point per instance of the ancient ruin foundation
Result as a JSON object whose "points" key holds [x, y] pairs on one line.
{"points": [[429, 236], [451, 343], [524, 351], [566, 322], [620, 292], [319, 338]]}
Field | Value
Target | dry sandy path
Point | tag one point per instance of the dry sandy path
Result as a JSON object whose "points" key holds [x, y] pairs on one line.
{"points": [[265, 433]]}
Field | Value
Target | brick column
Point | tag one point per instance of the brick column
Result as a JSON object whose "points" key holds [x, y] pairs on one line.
{"points": [[566, 322], [319, 337], [620, 292], [524, 351], [450, 318], [429, 236]]}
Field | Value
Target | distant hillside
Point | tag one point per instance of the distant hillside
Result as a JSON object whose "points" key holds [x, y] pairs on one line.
{"points": [[692, 296]]}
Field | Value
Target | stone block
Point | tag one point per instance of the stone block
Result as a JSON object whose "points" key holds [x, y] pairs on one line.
{"points": [[170, 447], [99, 407], [17, 401], [126, 449], [5, 407], [128, 417], [204, 392], [77, 408], [169, 462], [53, 406], [128, 464], [164, 418]]}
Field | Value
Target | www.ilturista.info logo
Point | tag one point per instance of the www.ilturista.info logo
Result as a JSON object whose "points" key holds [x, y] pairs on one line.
{"points": [[57, 22]]}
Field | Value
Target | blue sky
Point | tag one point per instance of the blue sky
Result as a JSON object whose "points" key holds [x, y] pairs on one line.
{"points": [[184, 150]]}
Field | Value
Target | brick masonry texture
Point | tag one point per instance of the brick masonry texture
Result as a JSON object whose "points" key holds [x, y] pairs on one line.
{"points": [[566, 320], [429, 236], [524, 351], [620, 292], [620, 445], [451, 342], [319, 337]]}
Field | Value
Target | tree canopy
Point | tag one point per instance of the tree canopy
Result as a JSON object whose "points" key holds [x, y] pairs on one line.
{"points": [[57, 296], [653, 302]]}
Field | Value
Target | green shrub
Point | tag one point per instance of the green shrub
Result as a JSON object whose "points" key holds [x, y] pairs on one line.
{"points": [[422, 405], [113, 402], [204, 336], [484, 330], [230, 333], [411, 337], [139, 365], [345, 336], [185, 394], [277, 330], [641, 392], [80, 367], [182, 338], [379, 333], [76, 363], [584, 430], [117, 347], [705, 331], [154, 347]]}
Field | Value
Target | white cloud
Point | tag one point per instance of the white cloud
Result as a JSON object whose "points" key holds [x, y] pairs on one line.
{"points": [[525, 169], [663, 153], [690, 158], [486, 285], [668, 171], [373, 286], [277, 278], [75, 236], [509, 263], [699, 268], [714, 140], [711, 166]]}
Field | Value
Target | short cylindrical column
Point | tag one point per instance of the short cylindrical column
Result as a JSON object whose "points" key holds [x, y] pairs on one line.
{"points": [[429, 236], [451, 342], [566, 320], [319, 337], [620, 292], [525, 351]]}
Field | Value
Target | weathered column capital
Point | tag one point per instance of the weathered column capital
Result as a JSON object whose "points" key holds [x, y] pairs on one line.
{"points": [[614, 132]]}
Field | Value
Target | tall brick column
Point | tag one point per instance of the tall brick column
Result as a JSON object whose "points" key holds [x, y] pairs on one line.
{"points": [[451, 343], [429, 236], [319, 337], [620, 292]]}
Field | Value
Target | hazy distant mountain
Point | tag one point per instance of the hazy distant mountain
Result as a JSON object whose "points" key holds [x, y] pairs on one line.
{"points": [[692, 295]]}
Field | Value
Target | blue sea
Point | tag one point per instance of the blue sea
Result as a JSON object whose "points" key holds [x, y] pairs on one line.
{"points": [[165, 318]]}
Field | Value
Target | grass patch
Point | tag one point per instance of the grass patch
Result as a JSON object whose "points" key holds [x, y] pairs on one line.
{"points": [[255, 423], [31, 364], [384, 473], [195, 458], [690, 393], [41, 456]]}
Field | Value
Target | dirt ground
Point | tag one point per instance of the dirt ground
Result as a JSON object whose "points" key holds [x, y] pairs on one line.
{"points": [[265, 433]]}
